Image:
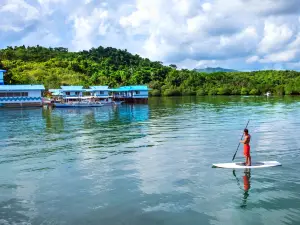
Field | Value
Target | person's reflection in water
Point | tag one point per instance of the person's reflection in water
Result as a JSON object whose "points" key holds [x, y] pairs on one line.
{"points": [[246, 179]]}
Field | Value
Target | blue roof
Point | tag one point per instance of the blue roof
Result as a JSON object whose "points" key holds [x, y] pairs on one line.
{"points": [[2, 70], [72, 88], [98, 88], [21, 87], [131, 88], [103, 88]]}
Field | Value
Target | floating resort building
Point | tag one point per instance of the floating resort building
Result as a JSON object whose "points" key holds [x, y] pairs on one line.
{"points": [[19, 95], [128, 94], [31, 95], [72, 92], [99, 92], [131, 94]]}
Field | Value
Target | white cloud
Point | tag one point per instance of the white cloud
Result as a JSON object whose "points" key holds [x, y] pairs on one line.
{"points": [[6, 28], [87, 28], [295, 43], [284, 56], [275, 37], [253, 33], [258, 7], [43, 37], [21, 8], [207, 7], [245, 40], [252, 59], [16, 15], [50, 6]]}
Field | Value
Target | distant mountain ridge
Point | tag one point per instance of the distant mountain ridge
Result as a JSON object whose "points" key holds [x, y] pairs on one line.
{"points": [[214, 69]]}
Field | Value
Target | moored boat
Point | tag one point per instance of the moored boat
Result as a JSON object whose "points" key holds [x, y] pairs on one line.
{"points": [[109, 101], [77, 104]]}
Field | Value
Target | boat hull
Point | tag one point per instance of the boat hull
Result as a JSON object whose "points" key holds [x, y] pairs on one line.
{"points": [[76, 105], [112, 103]]}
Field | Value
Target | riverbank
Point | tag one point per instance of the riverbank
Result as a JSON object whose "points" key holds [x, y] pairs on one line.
{"points": [[174, 93]]}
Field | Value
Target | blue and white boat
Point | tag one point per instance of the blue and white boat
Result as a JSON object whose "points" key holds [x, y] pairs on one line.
{"points": [[78, 104]]}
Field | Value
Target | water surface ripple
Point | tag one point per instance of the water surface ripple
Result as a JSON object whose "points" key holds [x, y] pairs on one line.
{"points": [[150, 164]]}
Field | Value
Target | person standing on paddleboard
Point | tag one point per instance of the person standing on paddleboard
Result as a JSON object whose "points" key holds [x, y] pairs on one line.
{"points": [[246, 143]]}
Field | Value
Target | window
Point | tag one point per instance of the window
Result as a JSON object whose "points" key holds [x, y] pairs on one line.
{"points": [[76, 92], [101, 92], [13, 94], [67, 93], [137, 92]]}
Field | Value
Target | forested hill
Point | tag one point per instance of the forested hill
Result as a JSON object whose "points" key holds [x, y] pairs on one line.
{"points": [[54, 67]]}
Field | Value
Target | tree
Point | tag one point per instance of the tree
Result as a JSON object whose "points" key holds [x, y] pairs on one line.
{"points": [[173, 66]]}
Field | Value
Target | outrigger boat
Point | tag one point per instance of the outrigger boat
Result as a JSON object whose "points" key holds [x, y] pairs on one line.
{"points": [[86, 103], [109, 101], [78, 104]]}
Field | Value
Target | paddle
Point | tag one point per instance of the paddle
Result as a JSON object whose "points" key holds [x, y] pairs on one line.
{"points": [[237, 179], [240, 142]]}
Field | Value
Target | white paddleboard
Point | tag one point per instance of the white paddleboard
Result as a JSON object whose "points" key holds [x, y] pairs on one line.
{"points": [[241, 165]]}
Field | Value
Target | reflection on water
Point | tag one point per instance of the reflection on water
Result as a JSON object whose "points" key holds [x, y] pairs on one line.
{"points": [[104, 115], [246, 185], [246, 179], [150, 164]]}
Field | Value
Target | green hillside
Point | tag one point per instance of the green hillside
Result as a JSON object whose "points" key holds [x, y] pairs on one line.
{"points": [[54, 67]]}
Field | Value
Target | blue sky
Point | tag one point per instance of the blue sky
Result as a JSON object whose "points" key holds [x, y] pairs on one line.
{"points": [[238, 34]]}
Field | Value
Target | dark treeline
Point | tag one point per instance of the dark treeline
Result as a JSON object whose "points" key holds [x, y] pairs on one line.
{"points": [[54, 67]]}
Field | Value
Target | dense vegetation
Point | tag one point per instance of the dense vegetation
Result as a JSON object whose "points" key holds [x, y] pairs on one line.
{"points": [[54, 67]]}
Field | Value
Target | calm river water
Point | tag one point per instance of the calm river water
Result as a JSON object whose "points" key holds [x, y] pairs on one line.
{"points": [[150, 164]]}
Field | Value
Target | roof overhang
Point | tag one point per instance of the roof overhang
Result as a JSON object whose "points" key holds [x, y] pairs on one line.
{"points": [[22, 88]]}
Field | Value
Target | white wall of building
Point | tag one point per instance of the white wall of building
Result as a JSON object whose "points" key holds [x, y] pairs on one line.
{"points": [[34, 93], [140, 94], [31, 94], [101, 93], [73, 93]]}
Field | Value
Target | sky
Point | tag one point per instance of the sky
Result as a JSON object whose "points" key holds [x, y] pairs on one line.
{"points": [[237, 34]]}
